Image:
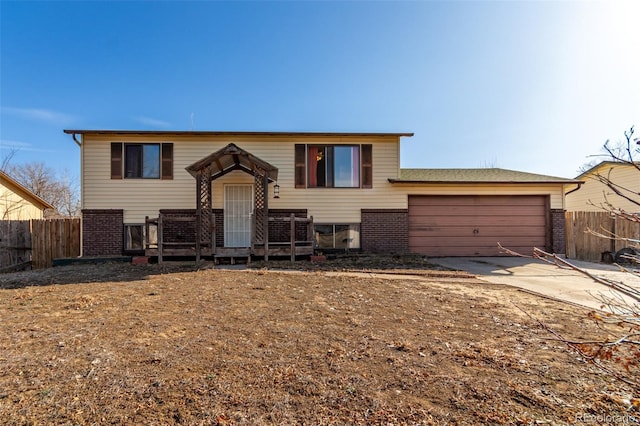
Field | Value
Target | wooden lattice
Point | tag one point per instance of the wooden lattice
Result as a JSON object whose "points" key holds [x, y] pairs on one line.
{"points": [[211, 168], [206, 205], [260, 211]]}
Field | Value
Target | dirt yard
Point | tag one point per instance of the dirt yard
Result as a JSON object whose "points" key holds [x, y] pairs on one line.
{"points": [[124, 344]]}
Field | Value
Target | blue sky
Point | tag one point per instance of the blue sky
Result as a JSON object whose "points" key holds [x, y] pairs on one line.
{"points": [[531, 86]]}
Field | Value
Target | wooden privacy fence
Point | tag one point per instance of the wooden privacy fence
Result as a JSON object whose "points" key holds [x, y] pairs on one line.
{"points": [[584, 245], [54, 238], [15, 242], [39, 241]]}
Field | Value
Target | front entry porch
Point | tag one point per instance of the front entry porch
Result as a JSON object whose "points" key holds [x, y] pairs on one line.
{"points": [[244, 227], [291, 235]]}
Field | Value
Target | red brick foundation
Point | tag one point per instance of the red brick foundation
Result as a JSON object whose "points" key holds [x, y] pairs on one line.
{"points": [[219, 222], [179, 232], [102, 232], [384, 230]]}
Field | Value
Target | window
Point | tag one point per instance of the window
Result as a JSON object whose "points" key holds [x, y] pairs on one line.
{"points": [[337, 236], [135, 238], [333, 166], [141, 160]]}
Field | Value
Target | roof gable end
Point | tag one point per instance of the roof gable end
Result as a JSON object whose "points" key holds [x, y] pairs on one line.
{"points": [[14, 185]]}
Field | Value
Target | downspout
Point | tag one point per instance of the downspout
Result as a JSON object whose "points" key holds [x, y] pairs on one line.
{"points": [[574, 189], [73, 135], [79, 143]]}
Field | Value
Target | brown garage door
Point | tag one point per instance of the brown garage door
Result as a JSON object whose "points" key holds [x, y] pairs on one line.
{"points": [[473, 225]]}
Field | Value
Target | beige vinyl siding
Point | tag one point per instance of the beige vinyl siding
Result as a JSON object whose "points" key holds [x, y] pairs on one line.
{"points": [[144, 197], [594, 192], [14, 207]]}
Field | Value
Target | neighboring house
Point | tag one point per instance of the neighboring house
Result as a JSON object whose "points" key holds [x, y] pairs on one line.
{"points": [[236, 191], [18, 203], [593, 194]]}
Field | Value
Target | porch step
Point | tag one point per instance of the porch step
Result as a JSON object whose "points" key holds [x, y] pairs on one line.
{"points": [[232, 259]]}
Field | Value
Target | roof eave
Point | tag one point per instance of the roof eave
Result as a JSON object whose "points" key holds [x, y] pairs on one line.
{"points": [[604, 163], [564, 182], [233, 133]]}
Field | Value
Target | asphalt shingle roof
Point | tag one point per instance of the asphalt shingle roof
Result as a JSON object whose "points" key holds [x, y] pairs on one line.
{"points": [[485, 175]]}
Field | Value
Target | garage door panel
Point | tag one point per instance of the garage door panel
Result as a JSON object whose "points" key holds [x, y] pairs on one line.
{"points": [[475, 200], [474, 225], [473, 251], [436, 211], [476, 221], [506, 242], [467, 231]]}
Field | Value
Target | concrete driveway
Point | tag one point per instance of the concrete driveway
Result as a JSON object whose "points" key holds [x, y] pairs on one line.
{"points": [[545, 279]]}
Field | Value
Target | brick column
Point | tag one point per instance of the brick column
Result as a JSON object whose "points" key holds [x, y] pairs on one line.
{"points": [[384, 230], [558, 231], [102, 232]]}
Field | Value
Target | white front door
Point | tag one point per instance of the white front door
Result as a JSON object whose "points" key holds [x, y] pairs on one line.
{"points": [[238, 207]]}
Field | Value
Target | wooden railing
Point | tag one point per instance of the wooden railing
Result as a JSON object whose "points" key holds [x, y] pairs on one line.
{"points": [[302, 247], [191, 247]]}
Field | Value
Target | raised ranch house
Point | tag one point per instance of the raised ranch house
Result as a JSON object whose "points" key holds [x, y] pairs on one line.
{"points": [[207, 193], [18, 203]]}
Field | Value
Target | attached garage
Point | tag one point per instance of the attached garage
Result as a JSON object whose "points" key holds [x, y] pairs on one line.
{"points": [[467, 212], [473, 225]]}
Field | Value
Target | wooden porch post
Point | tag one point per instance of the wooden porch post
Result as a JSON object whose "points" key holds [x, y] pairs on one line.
{"points": [[292, 218], [160, 238], [198, 215], [265, 214]]}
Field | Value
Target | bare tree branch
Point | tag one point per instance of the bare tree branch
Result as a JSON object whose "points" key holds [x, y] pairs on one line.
{"points": [[62, 193], [619, 317]]}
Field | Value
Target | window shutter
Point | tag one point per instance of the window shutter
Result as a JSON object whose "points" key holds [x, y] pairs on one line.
{"points": [[116, 160], [367, 166], [167, 161], [300, 166]]}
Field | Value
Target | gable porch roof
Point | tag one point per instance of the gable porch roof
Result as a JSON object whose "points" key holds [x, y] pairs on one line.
{"points": [[228, 159]]}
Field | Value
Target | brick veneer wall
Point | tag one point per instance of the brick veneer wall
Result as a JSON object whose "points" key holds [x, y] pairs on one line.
{"points": [[384, 230], [186, 231], [102, 232], [178, 232], [281, 231], [219, 221], [558, 231]]}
